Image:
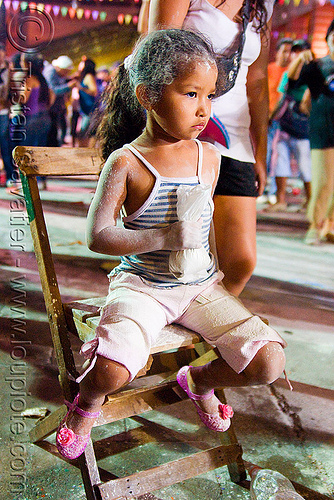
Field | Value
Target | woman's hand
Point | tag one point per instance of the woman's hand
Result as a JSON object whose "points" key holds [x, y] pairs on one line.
{"points": [[306, 56], [261, 176]]}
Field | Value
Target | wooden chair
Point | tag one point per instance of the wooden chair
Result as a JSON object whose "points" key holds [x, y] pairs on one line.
{"points": [[152, 388]]}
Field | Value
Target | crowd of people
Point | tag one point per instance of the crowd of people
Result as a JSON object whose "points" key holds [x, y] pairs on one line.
{"points": [[46, 104], [301, 130]]}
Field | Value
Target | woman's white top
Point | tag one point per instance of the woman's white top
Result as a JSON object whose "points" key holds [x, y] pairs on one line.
{"points": [[231, 108]]}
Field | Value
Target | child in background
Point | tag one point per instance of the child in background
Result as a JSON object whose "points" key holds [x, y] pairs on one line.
{"points": [[161, 103]]}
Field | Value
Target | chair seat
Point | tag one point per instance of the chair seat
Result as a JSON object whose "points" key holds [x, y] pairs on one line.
{"points": [[83, 317]]}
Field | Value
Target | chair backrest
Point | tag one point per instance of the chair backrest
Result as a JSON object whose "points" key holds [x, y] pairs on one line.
{"points": [[46, 161], [40, 161]]}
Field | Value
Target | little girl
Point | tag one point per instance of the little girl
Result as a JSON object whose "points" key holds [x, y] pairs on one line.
{"points": [[160, 105]]}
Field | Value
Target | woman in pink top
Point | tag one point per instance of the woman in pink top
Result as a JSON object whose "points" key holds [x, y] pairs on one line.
{"points": [[243, 110], [30, 121]]}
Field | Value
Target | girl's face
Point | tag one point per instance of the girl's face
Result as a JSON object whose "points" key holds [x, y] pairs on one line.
{"points": [[185, 106]]}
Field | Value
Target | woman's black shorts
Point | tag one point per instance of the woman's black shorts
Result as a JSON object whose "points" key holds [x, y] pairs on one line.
{"points": [[236, 178]]}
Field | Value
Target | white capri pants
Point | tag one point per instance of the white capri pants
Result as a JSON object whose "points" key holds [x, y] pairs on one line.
{"points": [[135, 312]]}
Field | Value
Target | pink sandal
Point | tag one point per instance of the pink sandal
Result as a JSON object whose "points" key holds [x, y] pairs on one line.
{"points": [[69, 444], [218, 421]]}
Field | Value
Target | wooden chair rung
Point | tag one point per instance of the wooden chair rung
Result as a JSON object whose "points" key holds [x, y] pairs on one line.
{"points": [[170, 473]]}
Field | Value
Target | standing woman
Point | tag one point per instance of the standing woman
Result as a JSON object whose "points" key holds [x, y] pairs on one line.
{"points": [[37, 98], [243, 111], [318, 75], [87, 99], [33, 108]]}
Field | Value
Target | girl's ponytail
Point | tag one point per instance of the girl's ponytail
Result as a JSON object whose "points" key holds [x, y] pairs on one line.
{"points": [[155, 62], [121, 117]]}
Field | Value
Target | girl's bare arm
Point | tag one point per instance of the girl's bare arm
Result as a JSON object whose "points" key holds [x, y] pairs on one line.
{"points": [[167, 14], [103, 236]]}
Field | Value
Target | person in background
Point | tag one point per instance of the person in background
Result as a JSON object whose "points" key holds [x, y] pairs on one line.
{"points": [[56, 75], [292, 136], [31, 126], [276, 69], [88, 94], [75, 105], [318, 75], [243, 112], [38, 98], [102, 79], [5, 143]]}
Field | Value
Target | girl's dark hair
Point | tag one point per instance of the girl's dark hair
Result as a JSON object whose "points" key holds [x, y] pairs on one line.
{"points": [[88, 69], [156, 61]]}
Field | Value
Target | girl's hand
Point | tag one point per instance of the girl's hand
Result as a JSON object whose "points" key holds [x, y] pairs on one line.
{"points": [[182, 235]]}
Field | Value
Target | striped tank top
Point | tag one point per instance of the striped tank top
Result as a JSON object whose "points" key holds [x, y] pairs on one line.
{"points": [[158, 211]]}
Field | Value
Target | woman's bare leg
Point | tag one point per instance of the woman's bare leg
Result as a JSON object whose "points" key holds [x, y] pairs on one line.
{"points": [[235, 232]]}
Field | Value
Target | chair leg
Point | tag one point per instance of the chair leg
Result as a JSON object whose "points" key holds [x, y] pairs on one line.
{"points": [[90, 472], [236, 469]]}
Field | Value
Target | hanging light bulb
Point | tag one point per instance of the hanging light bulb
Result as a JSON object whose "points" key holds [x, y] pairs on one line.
{"points": [[127, 18]]}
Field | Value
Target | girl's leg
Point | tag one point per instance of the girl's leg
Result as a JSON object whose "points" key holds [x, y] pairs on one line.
{"points": [[235, 232], [267, 365], [251, 351], [128, 325], [105, 378]]}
